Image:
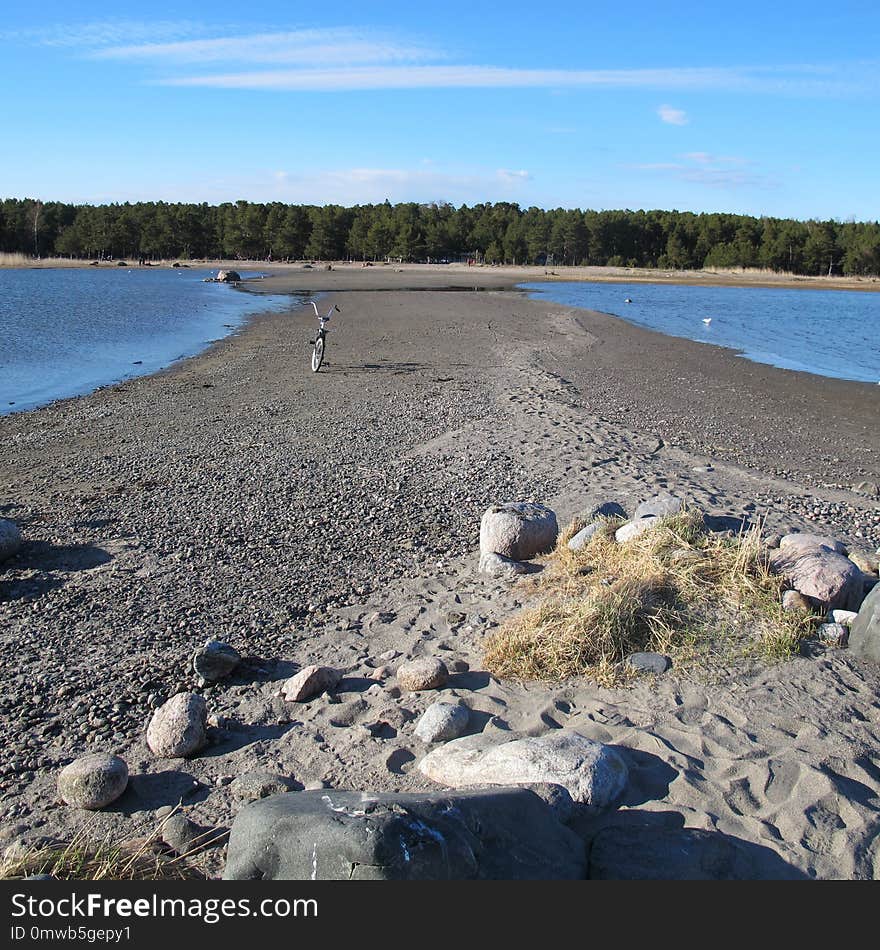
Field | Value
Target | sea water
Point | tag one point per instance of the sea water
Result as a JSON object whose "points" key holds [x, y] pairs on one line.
{"points": [[827, 332], [65, 332]]}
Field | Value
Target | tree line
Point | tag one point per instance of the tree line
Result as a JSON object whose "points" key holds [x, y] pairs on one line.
{"points": [[500, 233]]}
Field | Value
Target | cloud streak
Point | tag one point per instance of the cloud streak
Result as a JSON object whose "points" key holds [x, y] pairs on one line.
{"points": [[713, 171], [302, 47], [672, 116], [343, 59], [351, 78]]}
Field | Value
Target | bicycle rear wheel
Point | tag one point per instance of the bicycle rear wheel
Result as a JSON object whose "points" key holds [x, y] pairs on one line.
{"points": [[318, 354]]}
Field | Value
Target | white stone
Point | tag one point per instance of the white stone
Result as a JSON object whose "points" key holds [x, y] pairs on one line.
{"points": [[592, 773], [518, 530], [442, 722], [632, 529]]}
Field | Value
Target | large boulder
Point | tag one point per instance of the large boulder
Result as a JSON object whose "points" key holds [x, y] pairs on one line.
{"points": [[228, 276], [179, 727], [10, 538], [518, 530], [93, 781], [820, 570], [485, 834], [628, 852], [592, 773], [864, 634]]}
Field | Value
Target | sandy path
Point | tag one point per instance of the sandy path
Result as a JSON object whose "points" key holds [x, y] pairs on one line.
{"points": [[183, 506]]}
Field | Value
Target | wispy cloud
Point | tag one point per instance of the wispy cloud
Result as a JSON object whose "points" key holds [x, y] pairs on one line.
{"points": [[302, 47], [109, 32], [672, 116], [713, 171], [224, 56], [505, 174], [478, 76]]}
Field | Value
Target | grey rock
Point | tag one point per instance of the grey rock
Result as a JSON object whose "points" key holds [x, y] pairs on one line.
{"points": [[518, 530], [424, 673], [486, 834], [93, 781], [592, 773], [442, 722], [820, 570], [794, 600], [260, 784], [649, 662], [10, 538], [184, 836], [580, 540], [496, 565], [311, 681], [864, 634], [556, 797], [865, 561], [215, 661], [632, 529], [801, 542], [834, 634], [620, 853], [661, 506], [228, 276], [178, 727]]}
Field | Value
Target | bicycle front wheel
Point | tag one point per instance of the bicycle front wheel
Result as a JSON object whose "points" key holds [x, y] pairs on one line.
{"points": [[318, 354]]}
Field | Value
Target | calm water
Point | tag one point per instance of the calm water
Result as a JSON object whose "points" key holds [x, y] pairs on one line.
{"points": [[67, 332], [828, 332]]}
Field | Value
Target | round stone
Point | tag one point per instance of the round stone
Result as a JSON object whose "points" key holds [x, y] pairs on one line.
{"points": [[425, 673], [93, 781], [441, 722], [215, 660], [178, 728]]}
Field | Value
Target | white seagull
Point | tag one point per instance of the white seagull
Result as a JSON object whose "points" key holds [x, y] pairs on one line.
{"points": [[707, 320]]}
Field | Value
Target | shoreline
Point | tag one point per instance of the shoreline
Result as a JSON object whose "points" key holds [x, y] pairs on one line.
{"points": [[491, 274], [333, 517]]}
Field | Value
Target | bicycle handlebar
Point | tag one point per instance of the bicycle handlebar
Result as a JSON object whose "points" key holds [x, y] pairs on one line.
{"points": [[318, 314]]}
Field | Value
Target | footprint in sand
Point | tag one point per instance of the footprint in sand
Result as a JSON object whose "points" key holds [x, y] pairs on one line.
{"points": [[782, 777], [740, 799], [824, 832]]}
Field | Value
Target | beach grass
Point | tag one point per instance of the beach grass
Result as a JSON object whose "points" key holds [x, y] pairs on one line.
{"points": [[701, 598], [89, 857]]}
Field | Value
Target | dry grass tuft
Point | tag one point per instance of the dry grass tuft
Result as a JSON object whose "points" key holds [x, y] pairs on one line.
{"points": [[677, 589], [85, 858]]}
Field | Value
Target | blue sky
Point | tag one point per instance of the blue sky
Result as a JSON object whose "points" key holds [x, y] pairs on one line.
{"points": [[762, 108]]}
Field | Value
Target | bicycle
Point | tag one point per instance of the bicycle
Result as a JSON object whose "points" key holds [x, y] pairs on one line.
{"points": [[320, 339]]}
